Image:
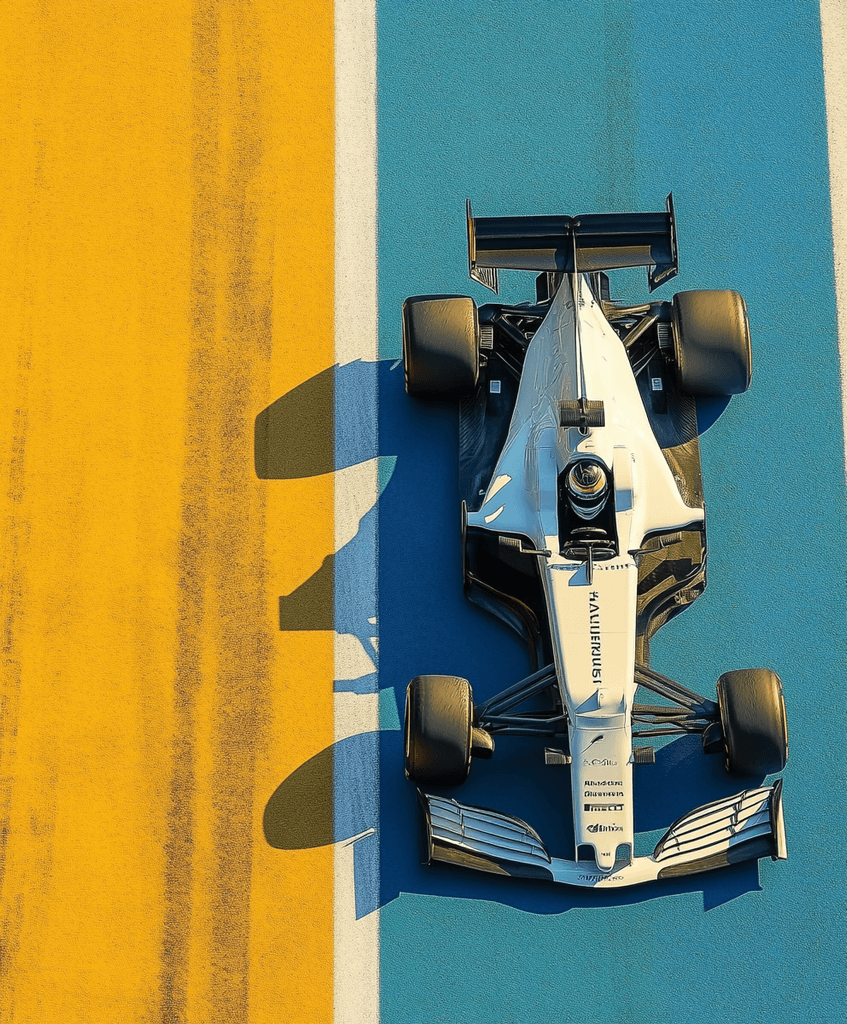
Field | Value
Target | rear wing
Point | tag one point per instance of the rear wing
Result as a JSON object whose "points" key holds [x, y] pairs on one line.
{"points": [[592, 242]]}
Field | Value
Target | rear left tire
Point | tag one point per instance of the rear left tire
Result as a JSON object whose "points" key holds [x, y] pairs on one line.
{"points": [[712, 354]]}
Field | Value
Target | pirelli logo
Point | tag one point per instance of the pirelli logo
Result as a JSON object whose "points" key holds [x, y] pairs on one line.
{"points": [[603, 807]]}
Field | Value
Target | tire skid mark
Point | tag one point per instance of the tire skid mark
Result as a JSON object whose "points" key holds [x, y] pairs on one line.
{"points": [[9, 943], [245, 650], [42, 830], [194, 527], [17, 529], [222, 561], [615, 141], [16, 540]]}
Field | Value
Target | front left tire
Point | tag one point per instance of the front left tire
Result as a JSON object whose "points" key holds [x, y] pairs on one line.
{"points": [[755, 729]]}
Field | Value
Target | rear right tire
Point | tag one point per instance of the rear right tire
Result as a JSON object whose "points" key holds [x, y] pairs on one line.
{"points": [[440, 345]]}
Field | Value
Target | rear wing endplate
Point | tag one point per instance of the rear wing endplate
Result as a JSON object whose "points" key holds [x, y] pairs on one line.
{"points": [[591, 242]]}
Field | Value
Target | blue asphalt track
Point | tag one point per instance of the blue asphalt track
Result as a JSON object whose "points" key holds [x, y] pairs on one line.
{"points": [[556, 107]]}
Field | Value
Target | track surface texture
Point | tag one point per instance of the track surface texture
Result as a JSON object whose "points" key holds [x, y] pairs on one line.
{"points": [[567, 108]]}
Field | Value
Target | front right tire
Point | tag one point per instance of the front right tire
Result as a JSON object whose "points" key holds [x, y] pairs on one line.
{"points": [[438, 729]]}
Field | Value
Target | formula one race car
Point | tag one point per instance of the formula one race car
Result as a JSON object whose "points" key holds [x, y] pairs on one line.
{"points": [[583, 529]]}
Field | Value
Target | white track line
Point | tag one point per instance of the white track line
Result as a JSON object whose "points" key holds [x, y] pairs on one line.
{"points": [[355, 180], [834, 35], [356, 942]]}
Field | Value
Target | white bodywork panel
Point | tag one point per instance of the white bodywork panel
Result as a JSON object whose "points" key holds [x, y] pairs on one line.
{"points": [[593, 625]]}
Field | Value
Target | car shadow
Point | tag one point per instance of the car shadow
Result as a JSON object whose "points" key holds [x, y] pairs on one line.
{"points": [[709, 411], [319, 426]]}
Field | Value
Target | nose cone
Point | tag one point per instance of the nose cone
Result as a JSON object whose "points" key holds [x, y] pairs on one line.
{"points": [[605, 859]]}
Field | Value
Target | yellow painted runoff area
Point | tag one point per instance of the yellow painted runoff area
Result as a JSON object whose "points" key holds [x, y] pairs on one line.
{"points": [[167, 267]]}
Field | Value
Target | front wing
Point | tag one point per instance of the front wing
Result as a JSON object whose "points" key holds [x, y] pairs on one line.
{"points": [[747, 826]]}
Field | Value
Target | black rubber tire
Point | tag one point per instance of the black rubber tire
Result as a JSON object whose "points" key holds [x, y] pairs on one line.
{"points": [[753, 720], [440, 345], [711, 343], [439, 720]]}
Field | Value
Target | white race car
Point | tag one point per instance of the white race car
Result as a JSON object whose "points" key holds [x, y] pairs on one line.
{"points": [[583, 529]]}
